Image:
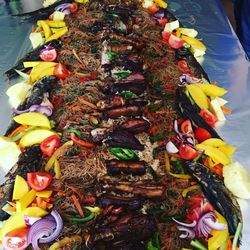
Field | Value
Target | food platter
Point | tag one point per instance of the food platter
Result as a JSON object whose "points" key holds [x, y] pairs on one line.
{"points": [[235, 94]]}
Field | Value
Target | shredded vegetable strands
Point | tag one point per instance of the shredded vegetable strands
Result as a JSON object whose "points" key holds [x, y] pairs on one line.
{"points": [[91, 105], [100, 71], [77, 205], [19, 129]]}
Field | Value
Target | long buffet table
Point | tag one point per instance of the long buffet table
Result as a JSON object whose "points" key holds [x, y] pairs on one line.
{"points": [[224, 62]]}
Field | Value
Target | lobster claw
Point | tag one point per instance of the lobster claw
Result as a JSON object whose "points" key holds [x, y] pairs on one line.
{"points": [[217, 194]]}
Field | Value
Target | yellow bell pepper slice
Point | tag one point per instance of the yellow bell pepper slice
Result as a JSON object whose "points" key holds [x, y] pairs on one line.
{"points": [[161, 3], [81, 1], [26, 200], [14, 222], [30, 64], [211, 90], [186, 31], [44, 193], [198, 96], [57, 169], [58, 34], [95, 210], [167, 162], [214, 142], [189, 189], [228, 150], [197, 44], [47, 72], [55, 24], [46, 29], [33, 119], [21, 188], [57, 153], [212, 163], [35, 137], [35, 212], [38, 70], [218, 237], [214, 153]]}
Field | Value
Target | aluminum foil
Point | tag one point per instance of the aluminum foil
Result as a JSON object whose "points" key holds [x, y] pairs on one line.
{"points": [[225, 62]]}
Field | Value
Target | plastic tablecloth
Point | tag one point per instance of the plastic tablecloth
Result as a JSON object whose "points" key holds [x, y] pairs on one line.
{"points": [[225, 62]]}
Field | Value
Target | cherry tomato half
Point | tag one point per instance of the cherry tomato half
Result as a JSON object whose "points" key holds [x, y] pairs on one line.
{"points": [[186, 152], [209, 117], [162, 22], [16, 239], [182, 65], [50, 144], [48, 55], [194, 211], [60, 71], [73, 7], [153, 9], [175, 42], [202, 134], [39, 180], [165, 35], [186, 127]]}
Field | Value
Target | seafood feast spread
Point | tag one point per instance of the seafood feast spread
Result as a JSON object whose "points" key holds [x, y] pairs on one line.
{"points": [[113, 142]]}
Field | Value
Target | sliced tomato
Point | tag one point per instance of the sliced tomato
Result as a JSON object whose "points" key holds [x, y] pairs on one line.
{"points": [[194, 207], [153, 9], [50, 144], [16, 239], [202, 134], [182, 65], [60, 71], [49, 55], [209, 117], [193, 213], [175, 42], [165, 35], [73, 7], [186, 152], [39, 180], [195, 200], [186, 127], [162, 22]]}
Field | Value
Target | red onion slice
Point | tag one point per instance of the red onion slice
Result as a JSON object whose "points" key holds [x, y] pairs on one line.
{"points": [[58, 229], [185, 78], [215, 225], [46, 110], [187, 233], [193, 224], [171, 148], [39, 229], [47, 48], [65, 8], [159, 14], [29, 220]]}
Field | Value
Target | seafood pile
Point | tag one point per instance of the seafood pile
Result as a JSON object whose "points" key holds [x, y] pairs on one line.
{"points": [[114, 139]]}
